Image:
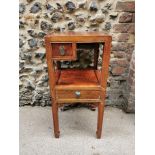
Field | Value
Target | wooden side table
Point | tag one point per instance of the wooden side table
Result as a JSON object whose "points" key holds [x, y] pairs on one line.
{"points": [[75, 85]]}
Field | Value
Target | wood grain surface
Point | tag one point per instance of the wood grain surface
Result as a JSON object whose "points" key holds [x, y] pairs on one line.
{"points": [[89, 83]]}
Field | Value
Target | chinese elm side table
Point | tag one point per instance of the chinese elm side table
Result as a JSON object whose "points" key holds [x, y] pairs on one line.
{"points": [[77, 85]]}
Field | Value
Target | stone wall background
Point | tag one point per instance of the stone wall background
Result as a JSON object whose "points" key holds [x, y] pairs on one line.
{"points": [[129, 105], [38, 17]]}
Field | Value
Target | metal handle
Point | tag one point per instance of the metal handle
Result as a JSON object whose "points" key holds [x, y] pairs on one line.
{"points": [[77, 93], [62, 50]]}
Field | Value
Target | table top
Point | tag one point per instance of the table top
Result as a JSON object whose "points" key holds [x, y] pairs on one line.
{"points": [[78, 36], [71, 33]]}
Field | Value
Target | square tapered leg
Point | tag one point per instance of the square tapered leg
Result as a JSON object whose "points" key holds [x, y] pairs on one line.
{"points": [[100, 120], [55, 119]]}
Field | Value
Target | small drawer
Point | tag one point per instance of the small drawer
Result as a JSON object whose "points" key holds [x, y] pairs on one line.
{"points": [[78, 95], [63, 51]]}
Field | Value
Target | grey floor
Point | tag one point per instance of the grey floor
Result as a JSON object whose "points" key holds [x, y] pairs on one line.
{"points": [[77, 129]]}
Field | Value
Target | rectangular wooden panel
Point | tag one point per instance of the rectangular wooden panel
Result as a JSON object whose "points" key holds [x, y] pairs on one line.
{"points": [[78, 77]]}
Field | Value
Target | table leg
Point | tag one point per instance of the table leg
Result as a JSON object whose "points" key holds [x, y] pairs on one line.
{"points": [[100, 119], [55, 119]]}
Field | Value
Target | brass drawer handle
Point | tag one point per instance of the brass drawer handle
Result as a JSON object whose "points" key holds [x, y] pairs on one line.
{"points": [[62, 50], [77, 93]]}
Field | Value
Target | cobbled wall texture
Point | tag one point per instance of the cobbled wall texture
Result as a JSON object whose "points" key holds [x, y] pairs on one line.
{"points": [[129, 105], [38, 17]]}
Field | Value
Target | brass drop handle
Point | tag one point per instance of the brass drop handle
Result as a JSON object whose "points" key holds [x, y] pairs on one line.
{"points": [[77, 93], [62, 50]]}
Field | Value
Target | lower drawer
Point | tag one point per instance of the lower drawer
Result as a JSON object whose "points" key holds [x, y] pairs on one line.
{"points": [[78, 96]]}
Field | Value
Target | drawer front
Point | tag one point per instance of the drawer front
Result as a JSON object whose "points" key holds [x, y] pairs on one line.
{"points": [[63, 51], [78, 95]]}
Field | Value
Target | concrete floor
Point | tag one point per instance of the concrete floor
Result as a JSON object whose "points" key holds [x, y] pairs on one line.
{"points": [[77, 129]]}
